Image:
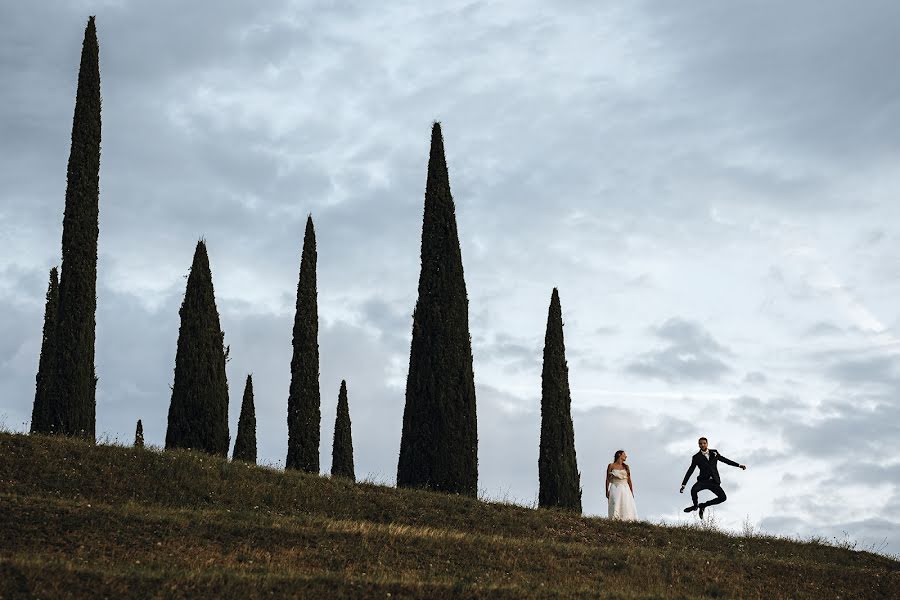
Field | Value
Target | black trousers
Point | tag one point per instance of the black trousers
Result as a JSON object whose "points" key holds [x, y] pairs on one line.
{"points": [[712, 486]]}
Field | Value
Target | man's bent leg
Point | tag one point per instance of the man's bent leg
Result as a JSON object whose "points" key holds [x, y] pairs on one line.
{"points": [[695, 489], [719, 492]]}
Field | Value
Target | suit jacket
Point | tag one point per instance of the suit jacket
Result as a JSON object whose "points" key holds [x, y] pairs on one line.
{"points": [[708, 468]]}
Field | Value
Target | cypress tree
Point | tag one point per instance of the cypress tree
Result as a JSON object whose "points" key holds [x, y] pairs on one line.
{"points": [[439, 443], [342, 449], [198, 411], [557, 468], [74, 385], [304, 402], [40, 414], [245, 443], [139, 435]]}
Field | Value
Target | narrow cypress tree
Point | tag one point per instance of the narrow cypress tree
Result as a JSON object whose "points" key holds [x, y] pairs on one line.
{"points": [[139, 435], [557, 468], [40, 413], [245, 443], [74, 384], [198, 412], [304, 402], [439, 443], [342, 449]]}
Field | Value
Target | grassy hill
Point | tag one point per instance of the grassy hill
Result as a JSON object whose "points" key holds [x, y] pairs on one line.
{"points": [[78, 520]]}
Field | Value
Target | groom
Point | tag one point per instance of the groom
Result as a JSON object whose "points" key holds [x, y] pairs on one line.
{"points": [[708, 479]]}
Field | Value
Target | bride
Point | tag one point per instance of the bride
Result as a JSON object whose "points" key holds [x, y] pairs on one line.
{"points": [[619, 490]]}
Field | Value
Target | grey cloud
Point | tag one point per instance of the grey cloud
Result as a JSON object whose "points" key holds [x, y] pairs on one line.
{"points": [[389, 320], [853, 370], [606, 330], [756, 378], [777, 413], [804, 86], [867, 472], [689, 335], [593, 364], [672, 364], [822, 329], [516, 354], [874, 534], [853, 430], [691, 355]]}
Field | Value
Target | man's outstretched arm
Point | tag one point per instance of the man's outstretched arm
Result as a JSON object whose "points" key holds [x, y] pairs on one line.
{"points": [[728, 461], [688, 474]]}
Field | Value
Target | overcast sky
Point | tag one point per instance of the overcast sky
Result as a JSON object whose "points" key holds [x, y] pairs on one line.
{"points": [[712, 187]]}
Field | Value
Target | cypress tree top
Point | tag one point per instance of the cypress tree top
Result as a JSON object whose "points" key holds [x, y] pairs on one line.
{"points": [[439, 443], [198, 412], [559, 480], [304, 400], [245, 443], [40, 414], [74, 383], [139, 435]]}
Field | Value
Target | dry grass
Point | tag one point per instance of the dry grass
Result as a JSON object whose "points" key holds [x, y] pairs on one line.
{"points": [[79, 520]]}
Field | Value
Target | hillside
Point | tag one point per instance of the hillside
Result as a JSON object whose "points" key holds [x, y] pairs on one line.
{"points": [[78, 520]]}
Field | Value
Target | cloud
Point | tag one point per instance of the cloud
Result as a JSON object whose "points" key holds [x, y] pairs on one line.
{"points": [[873, 535], [692, 168], [691, 355], [756, 378], [823, 329]]}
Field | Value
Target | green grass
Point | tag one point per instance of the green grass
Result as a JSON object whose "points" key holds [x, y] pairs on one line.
{"points": [[78, 520]]}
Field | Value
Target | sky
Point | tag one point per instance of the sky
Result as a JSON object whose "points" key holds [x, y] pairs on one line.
{"points": [[711, 187]]}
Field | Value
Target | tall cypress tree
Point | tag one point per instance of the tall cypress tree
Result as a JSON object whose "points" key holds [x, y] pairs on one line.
{"points": [[245, 443], [342, 449], [439, 443], [40, 413], [304, 401], [139, 435], [557, 468], [198, 411], [74, 385]]}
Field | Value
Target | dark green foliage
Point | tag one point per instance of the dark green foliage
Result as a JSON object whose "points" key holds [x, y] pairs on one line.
{"points": [[73, 387], [40, 413], [304, 402], [245, 443], [342, 449], [439, 443], [139, 435], [198, 412], [557, 468]]}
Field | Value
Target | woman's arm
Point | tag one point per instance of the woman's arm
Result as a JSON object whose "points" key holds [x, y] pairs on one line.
{"points": [[608, 477], [631, 487]]}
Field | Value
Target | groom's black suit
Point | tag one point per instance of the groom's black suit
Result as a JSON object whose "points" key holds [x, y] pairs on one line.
{"points": [[708, 478]]}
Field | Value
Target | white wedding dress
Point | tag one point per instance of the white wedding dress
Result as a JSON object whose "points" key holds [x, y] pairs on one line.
{"points": [[621, 500]]}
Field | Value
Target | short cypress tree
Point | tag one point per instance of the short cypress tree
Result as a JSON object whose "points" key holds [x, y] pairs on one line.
{"points": [[439, 443], [245, 443], [198, 411], [557, 468], [342, 449], [40, 413], [74, 384], [304, 401], [139, 435]]}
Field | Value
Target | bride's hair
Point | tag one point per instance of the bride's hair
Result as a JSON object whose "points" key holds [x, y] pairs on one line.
{"points": [[618, 454]]}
